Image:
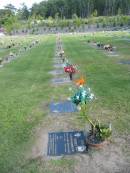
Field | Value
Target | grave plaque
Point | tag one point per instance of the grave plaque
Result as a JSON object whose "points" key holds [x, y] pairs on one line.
{"points": [[60, 80], [63, 107], [125, 62], [56, 72], [112, 54], [66, 143], [58, 65], [57, 61]]}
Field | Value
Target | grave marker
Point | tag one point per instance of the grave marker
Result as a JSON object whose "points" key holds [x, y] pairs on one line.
{"points": [[58, 65], [66, 143], [60, 80], [56, 72], [125, 62], [63, 107]]}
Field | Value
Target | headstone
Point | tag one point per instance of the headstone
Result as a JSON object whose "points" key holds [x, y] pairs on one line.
{"points": [[66, 143], [63, 107]]}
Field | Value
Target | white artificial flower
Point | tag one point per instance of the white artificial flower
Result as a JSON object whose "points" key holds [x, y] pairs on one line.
{"points": [[70, 89], [69, 98], [91, 96], [77, 97], [80, 86], [84, 93]]}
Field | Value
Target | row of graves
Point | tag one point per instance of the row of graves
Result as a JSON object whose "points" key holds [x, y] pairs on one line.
{"points": [[72, 142], [14, 55], [109, 50]]}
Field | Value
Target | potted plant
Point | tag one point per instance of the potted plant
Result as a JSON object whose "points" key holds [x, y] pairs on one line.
{"points": [[99, 133]]}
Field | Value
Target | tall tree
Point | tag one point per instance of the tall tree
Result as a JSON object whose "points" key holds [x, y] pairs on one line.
{"points": [[23, 12]]}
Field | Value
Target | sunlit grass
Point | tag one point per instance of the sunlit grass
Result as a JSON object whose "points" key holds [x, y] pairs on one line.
{"points": [[109, 80]]}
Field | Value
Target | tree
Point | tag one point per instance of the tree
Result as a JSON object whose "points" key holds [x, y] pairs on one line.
{"points": [[11, 23], [6, 13], [94, 14], [119, 11], [23, 12], [11, 8], [82, 8]]}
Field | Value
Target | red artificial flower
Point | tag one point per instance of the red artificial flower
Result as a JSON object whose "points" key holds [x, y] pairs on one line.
{"points": [[69, 69]]}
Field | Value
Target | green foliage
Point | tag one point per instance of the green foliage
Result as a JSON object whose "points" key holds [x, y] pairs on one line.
{"points": [[103, 131], [119, 11], [83, 9], [114, 24], [74, 16], [100, 131], [95, 13], [11, 23], [59, 14], [23, 12], [98, 25], [104, 25]]}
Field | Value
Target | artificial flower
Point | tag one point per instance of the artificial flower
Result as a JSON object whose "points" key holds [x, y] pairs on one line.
{"points": [[80, 81]]}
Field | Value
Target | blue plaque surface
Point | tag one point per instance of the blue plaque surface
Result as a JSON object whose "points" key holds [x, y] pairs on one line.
{"points": [[56, 72], [58, 65], [112, 54], [61, 80], [125, 62], [63, 107], [66, 143]]}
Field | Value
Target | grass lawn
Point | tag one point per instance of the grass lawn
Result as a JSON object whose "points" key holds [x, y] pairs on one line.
{"points": [[24, 85], [19, 42], [26, 91], [109, 80]]}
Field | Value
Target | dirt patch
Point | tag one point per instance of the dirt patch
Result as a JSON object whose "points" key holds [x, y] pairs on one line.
{"points": [[110, 159], [51, 124]]}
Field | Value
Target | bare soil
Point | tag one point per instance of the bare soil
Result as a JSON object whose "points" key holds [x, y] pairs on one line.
{"points": [[113, 158]]}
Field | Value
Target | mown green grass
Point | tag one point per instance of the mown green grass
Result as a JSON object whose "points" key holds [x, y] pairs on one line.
{"points": [[120, 40], [25, 87], [62, 165], [109, 80], [19, 42], [24, 84]]}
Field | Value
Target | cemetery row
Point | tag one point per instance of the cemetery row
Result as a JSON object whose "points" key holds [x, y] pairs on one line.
{"points": [[70, 142], [14, 48], [66, 29], [109, 50]]}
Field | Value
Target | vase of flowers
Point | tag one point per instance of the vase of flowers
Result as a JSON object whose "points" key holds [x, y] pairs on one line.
{"points": [[99, 133]]}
